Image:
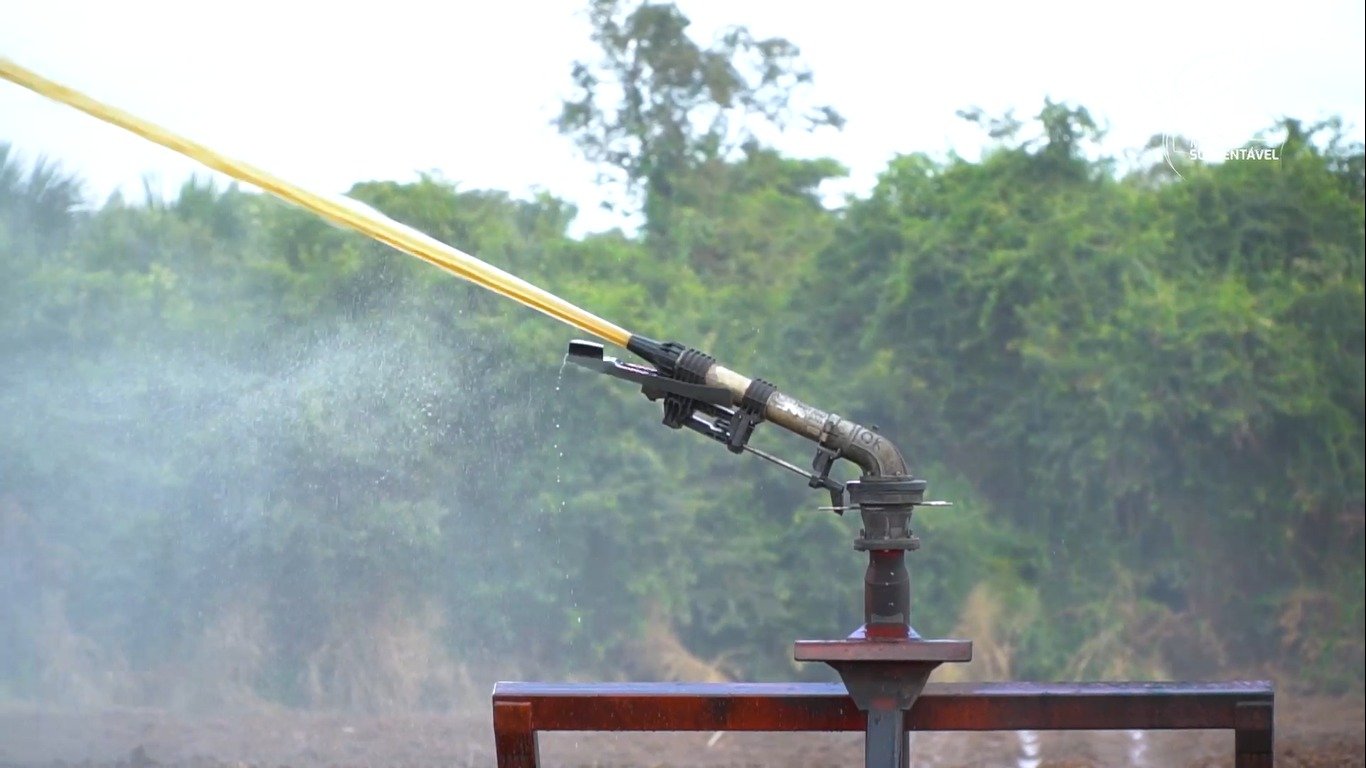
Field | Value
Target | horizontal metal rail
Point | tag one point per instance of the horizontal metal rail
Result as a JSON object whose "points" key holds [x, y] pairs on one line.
{"points": [[521, 710]]}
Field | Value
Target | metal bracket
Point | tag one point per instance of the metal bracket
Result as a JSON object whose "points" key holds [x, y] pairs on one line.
{"points": [[748, 414], [652, 383], [824, 460]]}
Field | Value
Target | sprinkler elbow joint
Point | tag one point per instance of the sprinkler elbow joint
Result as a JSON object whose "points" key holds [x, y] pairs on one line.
{"points": [[874, 454]]}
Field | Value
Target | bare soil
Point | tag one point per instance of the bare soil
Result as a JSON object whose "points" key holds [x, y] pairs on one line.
{"points": [[1311, 733]]}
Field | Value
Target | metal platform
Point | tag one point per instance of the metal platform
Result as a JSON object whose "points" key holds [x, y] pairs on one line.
{"points": [[521, 710]]}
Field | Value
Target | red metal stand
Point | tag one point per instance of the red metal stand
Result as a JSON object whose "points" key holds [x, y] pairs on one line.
{"points": [[884, 666], [884, 678], [522, 710]]}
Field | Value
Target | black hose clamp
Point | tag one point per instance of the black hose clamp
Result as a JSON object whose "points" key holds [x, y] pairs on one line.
{"points": [[691, 367], [748, 414]]}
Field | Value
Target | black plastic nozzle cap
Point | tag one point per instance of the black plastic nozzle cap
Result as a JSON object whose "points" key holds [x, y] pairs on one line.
{"points": [[589, 349], [661, 355]]}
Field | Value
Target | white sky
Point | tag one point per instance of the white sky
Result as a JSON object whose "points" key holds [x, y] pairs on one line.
{"points": [[330, 93]]}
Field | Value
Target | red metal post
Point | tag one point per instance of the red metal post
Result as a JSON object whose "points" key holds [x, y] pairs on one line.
{"points": [[514, 734], [1253, 739], [884, 664]]}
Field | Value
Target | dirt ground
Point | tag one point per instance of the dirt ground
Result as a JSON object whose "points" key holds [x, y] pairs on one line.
{"points": [[1311, 733]]}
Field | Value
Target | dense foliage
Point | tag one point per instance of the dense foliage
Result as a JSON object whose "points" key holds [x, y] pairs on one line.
{"points": [[237, 441]]}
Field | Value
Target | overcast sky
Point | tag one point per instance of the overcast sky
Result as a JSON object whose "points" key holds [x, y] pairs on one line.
{"points": [[327, 94]]}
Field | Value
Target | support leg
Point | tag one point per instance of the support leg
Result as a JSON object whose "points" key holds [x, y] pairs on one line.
{"points": [[1253, 735], [885, 741], [514, 736]]}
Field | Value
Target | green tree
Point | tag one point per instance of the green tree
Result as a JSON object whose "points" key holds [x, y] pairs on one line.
{"points": [[658, 105]]}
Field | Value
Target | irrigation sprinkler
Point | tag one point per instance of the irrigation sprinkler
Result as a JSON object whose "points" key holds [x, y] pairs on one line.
{"points": [[884, 663]]}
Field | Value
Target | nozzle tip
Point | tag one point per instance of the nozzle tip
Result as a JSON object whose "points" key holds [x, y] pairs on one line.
{"points": [[581, 348]]}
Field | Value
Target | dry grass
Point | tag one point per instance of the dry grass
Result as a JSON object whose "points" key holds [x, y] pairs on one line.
{"points": [[75, 671], [659, 654], [389, 659], [225, 666], [994, 620], [1128, 647]]}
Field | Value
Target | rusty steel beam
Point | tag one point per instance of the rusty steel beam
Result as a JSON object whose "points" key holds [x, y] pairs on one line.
{"points": [[523, 709], [827, 707], [685, 706]]}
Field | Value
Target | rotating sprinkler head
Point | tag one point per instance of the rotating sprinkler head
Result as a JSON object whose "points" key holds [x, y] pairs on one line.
{"points": [[884, 664], [707, 398]]}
